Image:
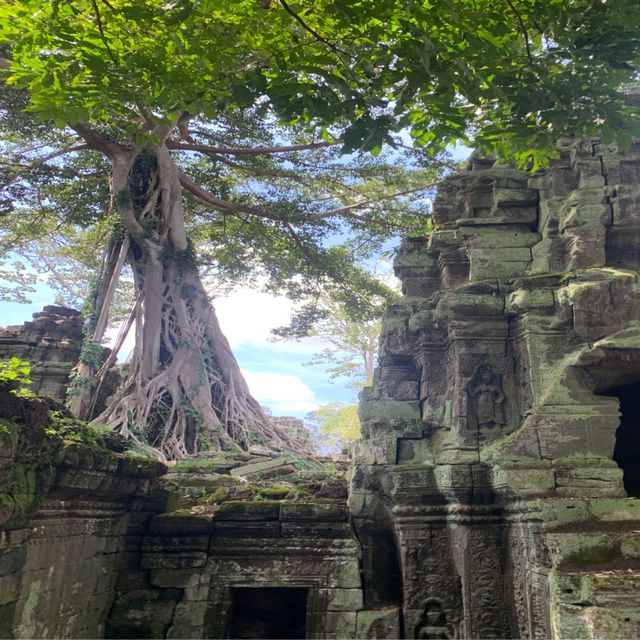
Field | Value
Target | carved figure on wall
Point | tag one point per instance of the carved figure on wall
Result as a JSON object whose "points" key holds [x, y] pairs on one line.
{"points": [[433, 623], [487, 397]]}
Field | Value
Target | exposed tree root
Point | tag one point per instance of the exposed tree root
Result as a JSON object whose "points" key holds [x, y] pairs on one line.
{"points": [[184, 390]]}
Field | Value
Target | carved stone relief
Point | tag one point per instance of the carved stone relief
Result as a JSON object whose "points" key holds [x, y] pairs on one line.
{"points": [[514, 304], [487, 399], [434, 623]]}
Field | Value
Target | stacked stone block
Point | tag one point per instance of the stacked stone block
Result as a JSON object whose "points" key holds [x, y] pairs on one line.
{"points": [[189, 565], [51, 343], [494, 405]]}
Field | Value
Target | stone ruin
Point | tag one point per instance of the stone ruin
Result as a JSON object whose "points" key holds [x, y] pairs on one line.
{"points": [[51, 343], [495, 492], [502, 446]]}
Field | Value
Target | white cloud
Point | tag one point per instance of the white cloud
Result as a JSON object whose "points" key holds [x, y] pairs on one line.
{"points": [[247, 316], [128, 344], [283, 394]]}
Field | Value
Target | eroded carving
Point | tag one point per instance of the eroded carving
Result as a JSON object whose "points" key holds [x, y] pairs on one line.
{"points": [[434, 624], [487, 398]]}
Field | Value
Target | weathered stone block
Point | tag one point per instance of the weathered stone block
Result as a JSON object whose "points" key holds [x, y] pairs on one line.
{"points": [[630, 547], [345, 574], [244, 529], [379, 623], [525, 299], [173, 561], [174, 578], [174, 524], [185, 631], [140, 619], [380, 411], [334, 624], [259, 467], [525, 481], [190, 613], [332, 512], [9, 588], [342, 599], [583, 551], [170, 544], [321, 530], [248, 510]]}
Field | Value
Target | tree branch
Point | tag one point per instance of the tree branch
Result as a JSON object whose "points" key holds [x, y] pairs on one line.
{"points": [[102, 34], [96, 140], [25, 168], [346, 213], [57, 154], [343, 210], [525, 34], [62, 281], [310, 30], [245, 151], [218, 203]]}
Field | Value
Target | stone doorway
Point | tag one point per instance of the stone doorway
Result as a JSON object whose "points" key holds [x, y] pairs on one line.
{"points": [[627, 449], [268, 612]]}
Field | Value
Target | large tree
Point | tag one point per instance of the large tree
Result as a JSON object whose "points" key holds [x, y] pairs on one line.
{"points": [[144, 83]]}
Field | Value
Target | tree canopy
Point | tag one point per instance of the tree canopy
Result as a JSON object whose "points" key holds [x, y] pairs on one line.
{"points": [[513, 74], [146, 91]]}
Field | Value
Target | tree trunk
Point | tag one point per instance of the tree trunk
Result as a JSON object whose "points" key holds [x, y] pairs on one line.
{"points": [[184, 390], [81, 398]]}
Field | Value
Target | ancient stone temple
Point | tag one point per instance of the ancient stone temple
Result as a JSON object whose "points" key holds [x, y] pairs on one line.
{"points": [[495, 493], [52, 342], [500, 474]]}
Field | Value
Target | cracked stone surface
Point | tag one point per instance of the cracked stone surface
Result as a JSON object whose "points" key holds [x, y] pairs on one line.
{"points": [[502, 433]]}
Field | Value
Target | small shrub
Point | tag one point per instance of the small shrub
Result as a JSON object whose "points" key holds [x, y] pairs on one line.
{"points": [[15, 375]]}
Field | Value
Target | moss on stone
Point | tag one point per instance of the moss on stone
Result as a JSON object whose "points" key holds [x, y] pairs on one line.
{"points": [[276, 492], [598, 554], [248, 510]]}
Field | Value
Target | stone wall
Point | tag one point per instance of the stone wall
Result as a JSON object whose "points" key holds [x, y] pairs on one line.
{"points": [[294, 427], [51, 343], [190, 565], [95, 544], [71, 513], [490, 456]]}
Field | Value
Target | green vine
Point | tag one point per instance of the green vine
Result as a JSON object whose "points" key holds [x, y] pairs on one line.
{"points": [[184, 261], [91, 353], [79, 385], [141, 177]]}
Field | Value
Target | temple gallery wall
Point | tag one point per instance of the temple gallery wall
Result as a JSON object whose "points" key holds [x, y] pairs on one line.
{"points": [[494, 494]]}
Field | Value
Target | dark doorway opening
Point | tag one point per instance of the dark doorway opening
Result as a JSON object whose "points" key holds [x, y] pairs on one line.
{"points": [[268, 612], [381, 566], [627, 449]]}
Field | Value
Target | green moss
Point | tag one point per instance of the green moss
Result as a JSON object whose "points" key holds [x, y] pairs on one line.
{"points": [[595, 555], [6, 426], [63, 424], [248, 510], [219, 495], [31, 603], [275, 493], [7, 508]]}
